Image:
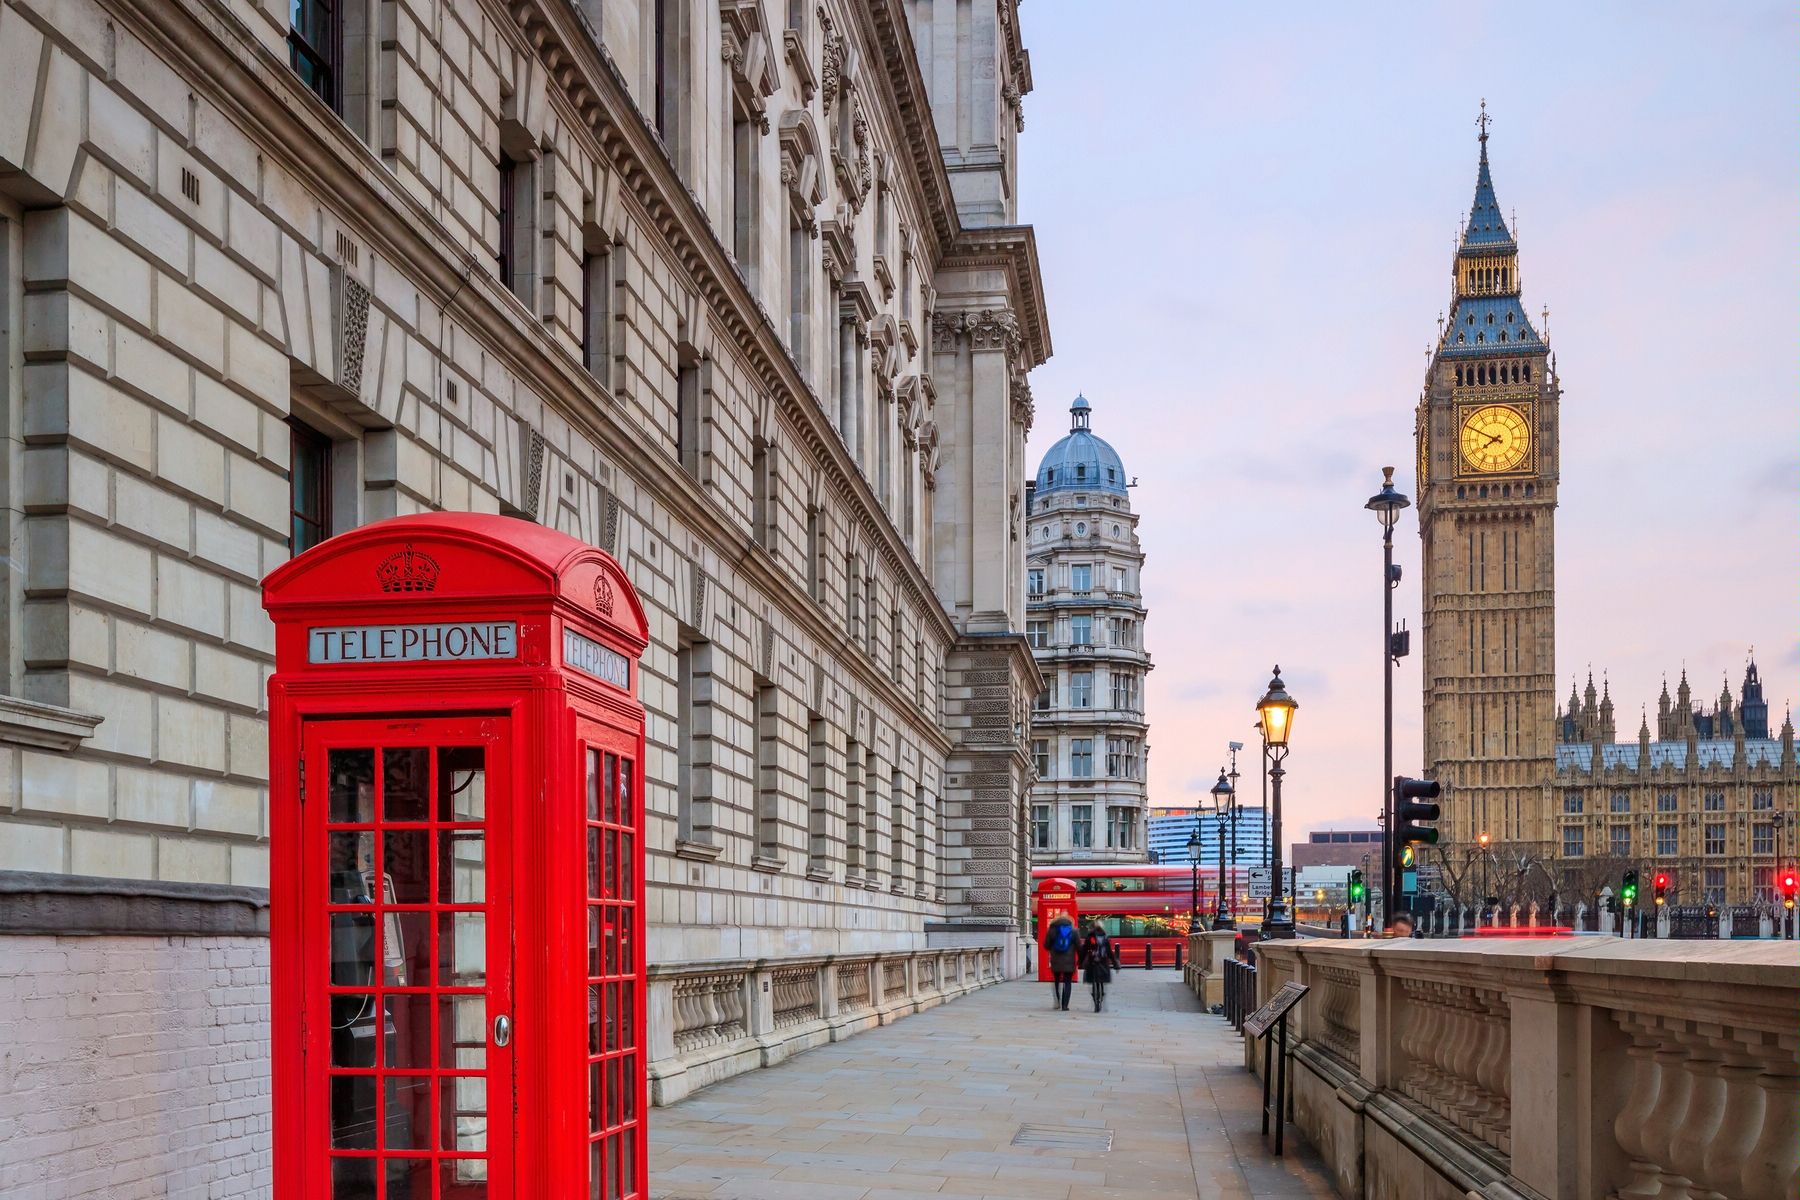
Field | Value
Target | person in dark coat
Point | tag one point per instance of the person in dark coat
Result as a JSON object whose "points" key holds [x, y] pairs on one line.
{"points": [[1096, 961], [1063, 946]]}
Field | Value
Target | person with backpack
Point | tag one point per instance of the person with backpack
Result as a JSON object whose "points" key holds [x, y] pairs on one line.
{"points": [[1096, 962], [1064, 949]]}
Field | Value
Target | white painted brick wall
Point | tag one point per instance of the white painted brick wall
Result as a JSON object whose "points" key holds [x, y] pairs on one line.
{"points": [[133, 1068]]}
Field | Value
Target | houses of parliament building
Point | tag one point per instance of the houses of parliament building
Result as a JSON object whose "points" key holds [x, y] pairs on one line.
{"points": [[1711, 799]]}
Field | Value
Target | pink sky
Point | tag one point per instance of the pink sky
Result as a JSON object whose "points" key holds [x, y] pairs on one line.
{"points": [[1247, 221]]}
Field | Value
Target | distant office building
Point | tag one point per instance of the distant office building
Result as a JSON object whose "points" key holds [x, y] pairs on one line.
{"points": [[1170, 828], [1338, 848]]}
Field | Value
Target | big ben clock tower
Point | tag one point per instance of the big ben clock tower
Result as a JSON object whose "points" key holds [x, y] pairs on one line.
{"points": [[1487, 470]]}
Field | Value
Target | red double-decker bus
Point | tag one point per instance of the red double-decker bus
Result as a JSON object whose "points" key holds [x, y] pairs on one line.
{"points": [[1141, 906]]}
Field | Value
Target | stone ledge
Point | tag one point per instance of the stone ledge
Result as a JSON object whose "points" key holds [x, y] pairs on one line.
{"points": [[38, 903], [47, 726]]}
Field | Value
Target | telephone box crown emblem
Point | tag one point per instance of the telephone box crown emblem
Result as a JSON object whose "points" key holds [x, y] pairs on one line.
{"points": [[603, 595], [407, 570]]}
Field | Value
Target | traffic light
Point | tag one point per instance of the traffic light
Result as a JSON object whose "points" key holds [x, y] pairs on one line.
{"points": [[1412, 803], [1661, 886], [1357, 890], [1628, 889], [1790, 885]]}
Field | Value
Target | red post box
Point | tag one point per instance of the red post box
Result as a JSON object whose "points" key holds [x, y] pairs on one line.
{"points": [[1055, 898], [456, 874]]}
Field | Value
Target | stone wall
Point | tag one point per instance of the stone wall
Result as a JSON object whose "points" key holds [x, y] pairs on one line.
{"points": [[1568, 1069]]}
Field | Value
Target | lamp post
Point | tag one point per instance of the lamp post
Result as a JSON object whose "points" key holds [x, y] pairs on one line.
{"points": [[1193, 849], [1277, 709], [1232, 775], [1267, 863], [1223, 806], [1386, 505]]}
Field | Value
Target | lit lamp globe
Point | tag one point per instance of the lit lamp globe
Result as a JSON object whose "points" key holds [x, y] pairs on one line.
{"points": [[1387, 503], [1276, 709]]}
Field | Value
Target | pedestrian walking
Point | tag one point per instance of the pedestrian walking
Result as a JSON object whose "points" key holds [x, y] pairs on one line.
{"points": [[1064, 948], [1097, 962]]}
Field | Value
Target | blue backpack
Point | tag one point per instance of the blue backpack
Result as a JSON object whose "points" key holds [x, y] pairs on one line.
{"points": [[1062, 939]]}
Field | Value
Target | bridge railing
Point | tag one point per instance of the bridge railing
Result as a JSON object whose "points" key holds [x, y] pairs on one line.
{"points": [[1578, 1069]]}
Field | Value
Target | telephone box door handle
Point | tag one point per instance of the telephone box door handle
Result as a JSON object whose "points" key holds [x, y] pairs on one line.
{"points": [[502, 1029]]}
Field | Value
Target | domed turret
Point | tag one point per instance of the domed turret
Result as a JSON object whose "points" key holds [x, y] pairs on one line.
{"points": [[1081, 461]]}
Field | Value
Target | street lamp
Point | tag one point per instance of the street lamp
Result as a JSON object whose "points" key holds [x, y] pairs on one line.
{"points": [[1193, 849], [1277, 711], [1224, 804], [1386, 505]]}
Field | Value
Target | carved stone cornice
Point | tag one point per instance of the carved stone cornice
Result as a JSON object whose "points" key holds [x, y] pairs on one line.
{"points": [[911, 104], [1012, 249], [749, 57]]}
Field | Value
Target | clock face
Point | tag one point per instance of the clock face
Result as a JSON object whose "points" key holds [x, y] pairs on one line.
{"points": [[1496, 437], [1423, 437]]}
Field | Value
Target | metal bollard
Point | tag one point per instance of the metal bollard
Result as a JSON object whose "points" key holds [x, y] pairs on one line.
{"points": [[1146, 956], [1178, 956]]}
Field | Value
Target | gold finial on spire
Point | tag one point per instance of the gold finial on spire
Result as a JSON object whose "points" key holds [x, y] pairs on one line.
{"points": [[1484, 121]]}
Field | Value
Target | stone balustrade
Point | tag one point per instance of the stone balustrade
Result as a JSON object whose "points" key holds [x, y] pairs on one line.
{"points": [[712, 1020], [1584, 1068]]}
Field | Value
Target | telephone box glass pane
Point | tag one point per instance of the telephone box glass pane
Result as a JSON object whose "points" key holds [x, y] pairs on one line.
{"points": [[406, 784], [352, 786], [408, 1115], [462, 866], [407, 1043], [609, 778], [464, 1104], [406, 856], [406, 948], [593, 786], [462, 783], [352, 863], [462, 1033], [594, 856], [352, 1030], [625, 817], [353, 1111], [462, 949], [352, 1179], [409, 1179], [463, 1179]]}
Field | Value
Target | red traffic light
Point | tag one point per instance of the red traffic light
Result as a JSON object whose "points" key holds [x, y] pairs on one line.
{"points": [[1789, 882], [1662, 880]]}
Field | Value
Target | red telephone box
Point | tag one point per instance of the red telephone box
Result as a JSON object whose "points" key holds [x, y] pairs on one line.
{"points": [[456, 874], [1055, 898]]}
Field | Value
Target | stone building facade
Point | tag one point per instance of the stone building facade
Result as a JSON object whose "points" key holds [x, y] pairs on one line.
{"points": [[733, 290], [1486, 433], [1710, 800], [1085, 621]]}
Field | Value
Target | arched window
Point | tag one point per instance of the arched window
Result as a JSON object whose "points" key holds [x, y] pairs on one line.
{"points": [[1503, 335], [1528, 489], [1509, 318], [1459, 381], [1459, 339], [1515, 372], [1490, 318], [1506, 491], [1480, 336], [1527, 372], [1462, 493], [1484, 491], [1471, 320]]}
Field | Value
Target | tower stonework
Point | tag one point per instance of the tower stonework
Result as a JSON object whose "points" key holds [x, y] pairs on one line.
{"points": [[1486, 431]]}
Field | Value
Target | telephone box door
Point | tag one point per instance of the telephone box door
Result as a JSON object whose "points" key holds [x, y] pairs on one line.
{"points": [[613, 874], [405, 832]]}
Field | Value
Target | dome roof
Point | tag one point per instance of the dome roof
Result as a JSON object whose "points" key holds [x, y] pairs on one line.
{"points": [[1081, 461]]}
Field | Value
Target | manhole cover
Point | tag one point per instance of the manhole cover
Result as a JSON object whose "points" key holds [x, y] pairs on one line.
{"points": [[1064, 1137]]}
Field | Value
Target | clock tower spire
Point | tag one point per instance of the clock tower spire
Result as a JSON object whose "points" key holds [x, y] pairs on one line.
{"points": [[1486, 428]]}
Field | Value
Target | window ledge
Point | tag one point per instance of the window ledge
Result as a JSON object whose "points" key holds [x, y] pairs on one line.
{"points": [[49, 726], [704, 851], [819, 874], [764, 862]]}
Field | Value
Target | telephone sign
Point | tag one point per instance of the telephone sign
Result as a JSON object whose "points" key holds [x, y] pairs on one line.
{"points": [[456, 866]]}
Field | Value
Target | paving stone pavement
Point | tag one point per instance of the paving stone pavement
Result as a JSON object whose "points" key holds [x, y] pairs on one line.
{"points": [[936, 1105]]}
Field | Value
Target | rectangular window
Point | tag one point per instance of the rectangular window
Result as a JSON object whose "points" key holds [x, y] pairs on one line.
{"points": [[921, 836], [687, 409], [1620, 802], [1715, 885], [897, 829], [1034, 582], [1045, 698], [1115, 756], [768, 771], [1572, 802], [818, 786], [1081, 578], [596, 314], [815, 552], [896, 656], [763, 482], [1715, 802], [1762, 800], [1573, 841], [509, 257], [666, 61], [1665, 802], [1762, 883], [693, 781], [309, 487], [853, 808], [1040, 827], [1668, 841], [1124, 690], [799, 266], [1040, 757], [743, 191], [1081, 758], [1118, 580], [1081, 630], [1131, 759], [871, 806], [1038, 634], [1762, 838], [1121, 828], [315, 46], [1081, 689], [1081, 826], [1715, 838], [1620, 841]]}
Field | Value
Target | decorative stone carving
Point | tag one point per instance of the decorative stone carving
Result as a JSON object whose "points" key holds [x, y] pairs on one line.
{"points": [[744, 45], [994, 329], [831, 66]]}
